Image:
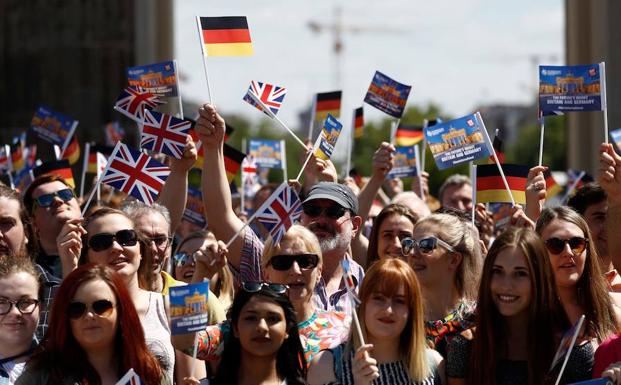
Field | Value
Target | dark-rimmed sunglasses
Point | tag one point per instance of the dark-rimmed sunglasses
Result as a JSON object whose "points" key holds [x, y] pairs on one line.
{"points": [[102, 308], [103, 241], [557, 245], [23, 305], [182, 258], [46, 200], [425, 245], [161, 242], [285, 262], [253, 287], [332, 212]]}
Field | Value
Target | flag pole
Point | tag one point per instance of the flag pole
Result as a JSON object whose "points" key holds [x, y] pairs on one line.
{"points": [[242, 195], [312, 118], [194, 352], [393, 129], [602, 68], [420, 174], [315, 146], [284, 161], [200, 37], [351, 142], [175, 66], [489, 144], [542, 128], [273, 116], [97, 180], [573, 186], [69, 138], [87, 151], [473, 183], [424, 150]]}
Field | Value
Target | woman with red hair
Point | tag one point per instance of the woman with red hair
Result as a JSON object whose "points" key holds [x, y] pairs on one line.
{"points": [[94, 336]]}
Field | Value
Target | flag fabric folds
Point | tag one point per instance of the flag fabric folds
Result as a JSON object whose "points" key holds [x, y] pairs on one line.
{"points": [[270, 95], [327, 139], [164, 133], [135, 173], [17, 155], [490, 187], [225, 36], [249, 175], [387, 95], [327, 103], [133, 101], [5, 159], [72, 152], [93, 157], [408, 135], [60, 168], [552, 188], [280, 211], [232, 161], [358, 122], [499, 148]]}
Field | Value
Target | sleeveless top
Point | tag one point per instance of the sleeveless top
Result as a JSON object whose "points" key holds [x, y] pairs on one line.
{"points": [[157, 335]]}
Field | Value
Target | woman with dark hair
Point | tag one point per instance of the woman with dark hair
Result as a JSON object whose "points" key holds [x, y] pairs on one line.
{"points": [[264, 347], [519, 321], [394, 223], [94, 336], [579, 281]]}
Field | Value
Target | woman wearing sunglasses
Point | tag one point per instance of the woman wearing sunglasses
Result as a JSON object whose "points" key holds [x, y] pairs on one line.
{"points": [[446, 256], [579, 281], [19, 314], [294, 267], [391, 320], [519, 321], [196, 248], [264, 348], [394, 223], [112, 240], [94, 336]]}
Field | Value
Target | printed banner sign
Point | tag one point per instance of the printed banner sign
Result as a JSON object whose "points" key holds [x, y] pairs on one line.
{"points": [[266, 153], [159, 79], [194, 209], [52, 126], [329, 135], [188, 308], [571, 88], [457, 141], [387, 95], [404, 162]]}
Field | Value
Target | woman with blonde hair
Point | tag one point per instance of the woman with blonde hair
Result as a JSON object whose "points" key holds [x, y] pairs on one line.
{"points": [[445, 254], [392, 324]]}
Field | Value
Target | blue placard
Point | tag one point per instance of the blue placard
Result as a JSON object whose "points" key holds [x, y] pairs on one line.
{"points": [[194, 209], [266, 153], [52, 126], [159, 78], [329, 135], [404, 162], [188, 308], [457, 141], [571, 88], [598, 381], [387, 95]]}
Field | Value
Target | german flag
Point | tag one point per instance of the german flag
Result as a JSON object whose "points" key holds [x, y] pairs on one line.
{"points": [[59, 167], [407, 136], [490, 187], [327, 103], [358, 123], [72, 152], [499, 148], [226, 36], [17, 156], [552, 188], [200, 153], [232, 161], [92, 156]]}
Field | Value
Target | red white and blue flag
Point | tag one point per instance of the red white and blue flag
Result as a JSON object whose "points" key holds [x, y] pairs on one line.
{"points": [[164, 133], [280, 211], [249, 175], [349, 281], [133, 101], [135, 173], [270, 95], [114, 133], [5, 159], [130, 378]]}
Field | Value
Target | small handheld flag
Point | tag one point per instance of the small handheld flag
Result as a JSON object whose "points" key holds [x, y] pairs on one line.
{"points": [[407, 135], [491, 188], [133, 101], [114, 133], [327, 103], [232, 161], [130, 378], [60, 168], [358, 122], [280, 212], [53, 127], [164, 133], [387, 95], [571, 88], [225, 36], [270, 95]]}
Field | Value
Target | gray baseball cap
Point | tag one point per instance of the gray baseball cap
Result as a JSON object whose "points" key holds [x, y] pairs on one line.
{"points": [[335, 192]]}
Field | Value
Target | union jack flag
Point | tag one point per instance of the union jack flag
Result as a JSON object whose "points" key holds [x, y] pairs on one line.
{"points": [[5, 158], [280, 211], [114, 133], [349, 282], [164, 133], [270, 95], [130, 378], [249, 175], [135, 173], [133, 101]]}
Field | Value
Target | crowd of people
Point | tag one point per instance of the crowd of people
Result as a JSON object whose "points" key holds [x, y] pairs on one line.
{"points": [[438, 297]]}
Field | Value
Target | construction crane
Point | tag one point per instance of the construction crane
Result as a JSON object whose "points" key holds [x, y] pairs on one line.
{"points": [[337, 28]]}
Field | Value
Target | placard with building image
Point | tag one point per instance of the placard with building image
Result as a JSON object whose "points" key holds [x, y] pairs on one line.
{"points": [[404, 162], [188, 308], [571, 88]]}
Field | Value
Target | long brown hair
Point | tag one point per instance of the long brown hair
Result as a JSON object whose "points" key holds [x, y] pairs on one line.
{"points": [[593, 297], [388, 211], [546, 317]]}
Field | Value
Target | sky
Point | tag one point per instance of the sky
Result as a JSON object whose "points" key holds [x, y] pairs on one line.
{"points": [[458, 54]]}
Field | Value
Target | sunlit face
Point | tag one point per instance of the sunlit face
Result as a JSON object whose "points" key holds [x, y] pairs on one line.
{"points": [[154, 227], [124, 259], [17, 329], [567, 266], [436, 267], [385, 317], [301, 281], [59, 212], [261, 327], [92, 330], [184, 272], [458, 197], [12, 233], [333, 233], [511, 283], [595, 216], [392, 230]]}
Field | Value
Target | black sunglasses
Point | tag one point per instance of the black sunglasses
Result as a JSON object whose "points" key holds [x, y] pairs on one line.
{"points": [[557, 245], [103, 241], [102, 308], [425, 245], [46, 200], [284, 262], [332, 212], [253, 287]]}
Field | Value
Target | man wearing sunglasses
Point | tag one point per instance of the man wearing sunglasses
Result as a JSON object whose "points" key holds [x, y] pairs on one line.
{"points": [[51, 203], [330, 211]]}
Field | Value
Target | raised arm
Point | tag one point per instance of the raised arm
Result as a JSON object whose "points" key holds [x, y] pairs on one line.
{"points": [[382, 164], [610, 179], [535, 192]]}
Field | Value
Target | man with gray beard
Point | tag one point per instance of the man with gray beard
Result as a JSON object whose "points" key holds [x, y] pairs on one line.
{"points": [[330, 211]]}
